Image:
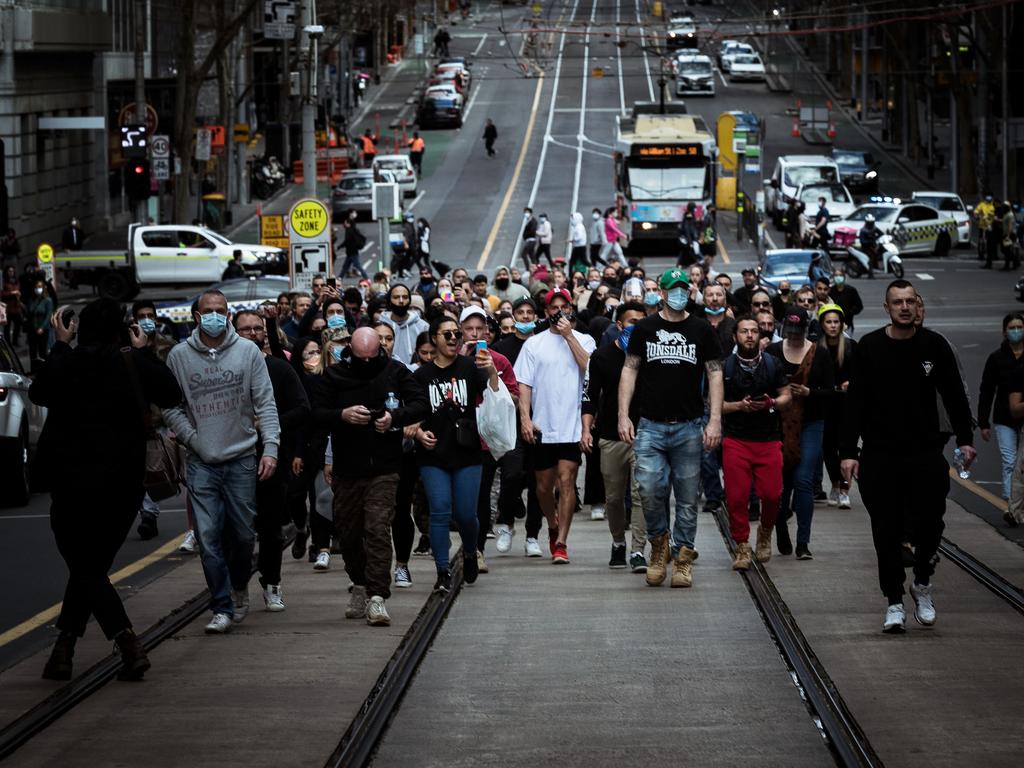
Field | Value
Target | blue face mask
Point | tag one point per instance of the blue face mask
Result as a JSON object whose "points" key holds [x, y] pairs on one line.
{"points": [[676, 299], [714, 312], [213, 323], [1015, 335], [148, 326], [336, 354], [624, 335], [335, 321], [526, 327], [839, 279], [652, 299]]}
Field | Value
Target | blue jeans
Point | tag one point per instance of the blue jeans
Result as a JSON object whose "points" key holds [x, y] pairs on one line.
{"points": [[798, 482], [452, 492], [710, 479], [352, 262], [1006, 438], [669, 454], [224, 505]]}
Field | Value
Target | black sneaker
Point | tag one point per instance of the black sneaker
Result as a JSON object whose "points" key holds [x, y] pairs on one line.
{"points": [[470, 568], [618, 559], [147, 527], [313, 552], [782, 540], [712, 505], [423, 548], [443, 585], [803, 553], [299, 544]]}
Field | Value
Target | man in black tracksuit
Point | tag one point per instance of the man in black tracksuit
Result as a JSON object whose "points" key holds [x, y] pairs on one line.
{"points": [[350, 404], [271, 494], [892, 410]]}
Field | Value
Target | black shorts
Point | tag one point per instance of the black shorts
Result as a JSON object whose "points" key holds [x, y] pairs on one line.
{"points": [[547, 455]]}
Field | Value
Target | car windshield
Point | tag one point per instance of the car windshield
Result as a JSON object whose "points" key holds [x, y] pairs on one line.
{"points": [[833, 193], [948, 204], [740, 49], [394, 165], [695, 67], [806, 174], [667, 183], [219, 238], [355, 184], [848, 158], [879, 212], [746, 59], [793, 263], [236, 290]]}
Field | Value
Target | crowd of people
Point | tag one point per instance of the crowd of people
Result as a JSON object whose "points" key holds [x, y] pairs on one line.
{"points": [[350, 416]]}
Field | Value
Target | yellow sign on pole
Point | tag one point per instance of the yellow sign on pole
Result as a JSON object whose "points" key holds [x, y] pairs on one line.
{"points": [[272, 231], [726, 150], [44, 253], [309, 219]]}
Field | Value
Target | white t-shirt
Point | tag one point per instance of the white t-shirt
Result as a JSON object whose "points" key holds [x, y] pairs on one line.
{"points": [[546, 364]]}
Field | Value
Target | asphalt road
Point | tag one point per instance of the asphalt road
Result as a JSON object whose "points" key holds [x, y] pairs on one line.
{"points": [[556, 128]]}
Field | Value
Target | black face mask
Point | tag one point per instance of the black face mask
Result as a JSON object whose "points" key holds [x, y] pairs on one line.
{"points": [[367, 369], [765, 334], [501, 283], [398, 311], [784, 291]]}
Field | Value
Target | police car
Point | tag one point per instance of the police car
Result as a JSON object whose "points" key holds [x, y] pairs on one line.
{"points": [[915, 228], [241, 293]]}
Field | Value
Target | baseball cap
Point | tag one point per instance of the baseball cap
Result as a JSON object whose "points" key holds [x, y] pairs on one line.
{"points": [[523, 300], [748, 271], [796, 319], [831, 308], [550, 295], [471, 310], [670, 278]]}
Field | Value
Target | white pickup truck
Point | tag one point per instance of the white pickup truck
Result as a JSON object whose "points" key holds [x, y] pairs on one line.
{"points": [[164, 255]]}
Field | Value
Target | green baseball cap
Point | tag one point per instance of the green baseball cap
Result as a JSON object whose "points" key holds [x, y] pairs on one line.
{"points": [[670, 278]]}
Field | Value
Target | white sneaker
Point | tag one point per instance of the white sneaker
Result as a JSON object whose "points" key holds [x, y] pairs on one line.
{"points": [[273, 597], [219, 624], [504, 542], [844, 500], [377, 613], [189, 544], [833, 497], [356, 604], [597, 511], [323, 562], [241, 599], [403, 579], [924, 606], [533, 548], [895, 619]]}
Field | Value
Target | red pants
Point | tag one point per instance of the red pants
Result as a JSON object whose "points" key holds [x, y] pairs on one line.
{"points": [[746, 461]]}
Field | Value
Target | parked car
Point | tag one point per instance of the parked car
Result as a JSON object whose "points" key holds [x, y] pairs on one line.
{"points": [[858, 169], [694, 75], [746, 66], [797, 265], [951, 204], [730, 50], [354, 192], [401, 167], [790, 172], [21, 422], [440, 105], [458, 69], [241, 293], [838, 199], [914, 228]]}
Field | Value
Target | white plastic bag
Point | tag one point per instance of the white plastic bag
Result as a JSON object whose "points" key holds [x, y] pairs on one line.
{"points": [[496, 420]]}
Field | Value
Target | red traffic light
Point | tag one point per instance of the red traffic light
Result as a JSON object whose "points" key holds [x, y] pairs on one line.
{"points": [[139, 170]]}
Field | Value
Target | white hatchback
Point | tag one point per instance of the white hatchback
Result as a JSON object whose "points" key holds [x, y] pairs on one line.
{"points": [[401, 167]]}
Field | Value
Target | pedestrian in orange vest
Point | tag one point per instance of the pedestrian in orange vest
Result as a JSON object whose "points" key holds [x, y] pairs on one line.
{"points": [[369, 148], [416, 149]]}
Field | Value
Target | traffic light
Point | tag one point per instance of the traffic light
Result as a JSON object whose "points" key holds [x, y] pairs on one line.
{"points": [[136, 179]]}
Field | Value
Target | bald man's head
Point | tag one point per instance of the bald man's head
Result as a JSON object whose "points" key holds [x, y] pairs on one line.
{"points": [[365, 343]]}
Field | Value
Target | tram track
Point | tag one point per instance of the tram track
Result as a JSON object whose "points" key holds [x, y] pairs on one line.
{"points": [[984, 575], [846, 739]]}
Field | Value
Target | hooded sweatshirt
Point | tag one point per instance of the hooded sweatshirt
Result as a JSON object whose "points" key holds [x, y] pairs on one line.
{"points": [[406, 331], [226, 389], [512, 291], [579, 232]]}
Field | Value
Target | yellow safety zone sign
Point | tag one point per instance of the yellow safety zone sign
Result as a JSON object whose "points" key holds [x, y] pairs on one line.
{"points": [[309, 219]]}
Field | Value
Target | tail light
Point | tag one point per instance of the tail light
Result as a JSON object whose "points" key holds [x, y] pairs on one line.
{"points": [[3, 394]]}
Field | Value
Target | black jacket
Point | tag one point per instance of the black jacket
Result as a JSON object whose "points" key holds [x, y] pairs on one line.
{"points": [[362, 451], [292, 407], [95, 434], [995, 386], [849, 301]]}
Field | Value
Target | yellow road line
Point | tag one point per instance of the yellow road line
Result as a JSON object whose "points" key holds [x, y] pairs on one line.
{"points": [[515, 177], [49, 614], [977, 490], [721, 250]]}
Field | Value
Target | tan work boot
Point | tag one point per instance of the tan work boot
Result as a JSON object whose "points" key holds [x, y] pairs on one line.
{"points": [[682, 568], [657, 566], [741, 561], [763, 553]]}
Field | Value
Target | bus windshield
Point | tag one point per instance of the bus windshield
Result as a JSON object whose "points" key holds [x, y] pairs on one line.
{"points": [[667, 183]]}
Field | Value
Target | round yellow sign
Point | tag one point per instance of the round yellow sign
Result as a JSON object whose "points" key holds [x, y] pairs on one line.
{"points": [[45, 253], [309, 219]]}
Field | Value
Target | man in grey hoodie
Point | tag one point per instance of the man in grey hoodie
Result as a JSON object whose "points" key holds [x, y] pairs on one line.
{"points": [[228, 398], [407, 323]]}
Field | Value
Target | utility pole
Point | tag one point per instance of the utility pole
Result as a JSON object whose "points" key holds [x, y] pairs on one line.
{"points": [[1005, 102], [310, 38], [140, 87], [864, 54]]}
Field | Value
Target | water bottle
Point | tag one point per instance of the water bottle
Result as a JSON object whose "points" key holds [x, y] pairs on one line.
{"points": [[961, 467], [391, 404]]}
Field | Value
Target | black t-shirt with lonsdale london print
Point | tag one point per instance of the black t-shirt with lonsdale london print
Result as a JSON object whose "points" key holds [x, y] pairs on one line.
{"points": [[453, 393], [672, 358]]}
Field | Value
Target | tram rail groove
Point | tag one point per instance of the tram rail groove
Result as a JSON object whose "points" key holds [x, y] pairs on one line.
{"points": [[984, 575], [846, 739], [359, 742]]}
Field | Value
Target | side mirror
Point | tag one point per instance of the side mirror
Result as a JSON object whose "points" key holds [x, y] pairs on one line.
{"points": [[970, 209], [902, 220]]}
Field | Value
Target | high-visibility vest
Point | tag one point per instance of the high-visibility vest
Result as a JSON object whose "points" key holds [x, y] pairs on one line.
{"points": [[417, 145], [369, 147]]}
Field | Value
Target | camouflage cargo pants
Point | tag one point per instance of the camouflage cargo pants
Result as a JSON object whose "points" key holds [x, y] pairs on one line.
{"points": [[363, 510]]}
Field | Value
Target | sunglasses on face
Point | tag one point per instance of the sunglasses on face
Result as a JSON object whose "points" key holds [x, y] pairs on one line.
{"points": [[451, 335], [761, 304]]}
